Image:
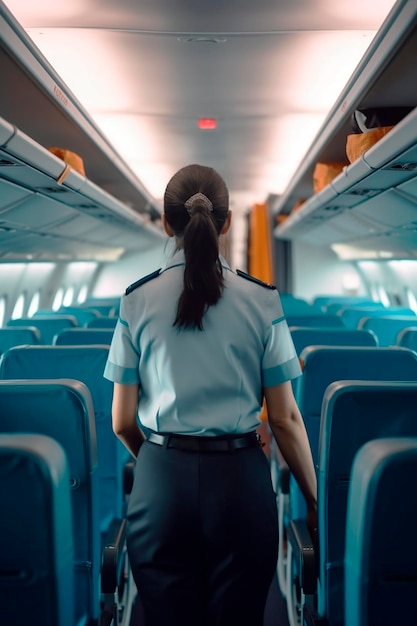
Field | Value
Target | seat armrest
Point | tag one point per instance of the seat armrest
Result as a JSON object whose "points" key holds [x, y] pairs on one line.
{"points": [[113, 559], [128, 474], [304, 554]]}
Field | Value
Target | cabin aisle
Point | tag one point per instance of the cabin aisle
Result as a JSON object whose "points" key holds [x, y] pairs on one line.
{"points": [[275, 610]]}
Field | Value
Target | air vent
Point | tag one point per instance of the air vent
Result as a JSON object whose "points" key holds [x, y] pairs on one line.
{"points": [[365, 193], [46, 190], [333, 208], [7, 163], [403, 167]]}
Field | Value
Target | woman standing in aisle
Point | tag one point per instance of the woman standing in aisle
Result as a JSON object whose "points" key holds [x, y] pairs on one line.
{"points": [[196, 349]]}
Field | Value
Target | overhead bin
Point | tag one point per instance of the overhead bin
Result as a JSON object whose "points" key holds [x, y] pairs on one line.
{"points": [[354, 207], [47, 209]]}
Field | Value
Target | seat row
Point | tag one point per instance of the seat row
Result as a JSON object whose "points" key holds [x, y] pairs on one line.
{"points": [[60, 392], [347, 396]]}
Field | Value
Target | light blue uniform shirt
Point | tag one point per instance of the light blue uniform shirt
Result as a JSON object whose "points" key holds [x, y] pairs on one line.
{"points": [[201, 382]]}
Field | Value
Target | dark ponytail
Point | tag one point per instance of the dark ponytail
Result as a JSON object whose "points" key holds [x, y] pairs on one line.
{"points": [[196, 205]]}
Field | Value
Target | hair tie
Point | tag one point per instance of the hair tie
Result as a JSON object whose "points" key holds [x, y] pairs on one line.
{"points": [[201, 199]]}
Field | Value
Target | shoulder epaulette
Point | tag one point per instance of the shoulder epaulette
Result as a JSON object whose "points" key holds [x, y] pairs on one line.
{"points": [[142, 281], [254, 280]]}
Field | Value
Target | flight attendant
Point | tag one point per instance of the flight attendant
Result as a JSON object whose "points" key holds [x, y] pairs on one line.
{"points": [[196, 349]]}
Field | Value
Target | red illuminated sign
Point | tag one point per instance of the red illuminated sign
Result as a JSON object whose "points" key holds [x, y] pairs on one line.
{"points": [[207, 123]]}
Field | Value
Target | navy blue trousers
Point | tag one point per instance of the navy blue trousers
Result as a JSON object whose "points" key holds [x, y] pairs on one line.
{"points": [[202, 536]]}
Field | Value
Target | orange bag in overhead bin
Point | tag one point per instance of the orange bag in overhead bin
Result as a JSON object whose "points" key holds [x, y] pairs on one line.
{"points": [[71, 158], [357, 144], [324, 172]]}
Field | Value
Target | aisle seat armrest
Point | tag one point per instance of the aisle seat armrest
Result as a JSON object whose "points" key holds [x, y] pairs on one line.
{"points": [[128, 475], [114, 554], [304, 554]]}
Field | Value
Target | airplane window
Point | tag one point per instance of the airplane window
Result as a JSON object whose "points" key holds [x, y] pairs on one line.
{"points": [[34, 304], [18, 307], [375, 293], [68, 297], [59, 296], [411, 299], [82, 294], [383, 296], [2, 310]]}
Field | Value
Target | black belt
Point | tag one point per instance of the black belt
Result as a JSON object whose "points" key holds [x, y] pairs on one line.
{"points": [[206, 444]]}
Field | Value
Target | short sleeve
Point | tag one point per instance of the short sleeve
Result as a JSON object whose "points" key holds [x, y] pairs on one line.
{"points": [[123, 361], [280, 361]]}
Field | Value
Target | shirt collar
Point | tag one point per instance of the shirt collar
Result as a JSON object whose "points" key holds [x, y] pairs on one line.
{"points": [[179, 259]]}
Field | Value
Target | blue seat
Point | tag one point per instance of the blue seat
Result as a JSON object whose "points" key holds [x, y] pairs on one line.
{"points": [[324, 302], [302, 338], [48, 325], [84, 336], [84, 363], [307, 336], [387, 328], [83, 316], [407, 338], [353, 413], [63, 410], [352, 315], [320, 319], [102, 322], [322, 366], [298, 306], [381, 551], [36, 547], [19, 336]]}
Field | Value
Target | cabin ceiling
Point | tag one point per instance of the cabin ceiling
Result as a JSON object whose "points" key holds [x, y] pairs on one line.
{"points": [[268, 72]]}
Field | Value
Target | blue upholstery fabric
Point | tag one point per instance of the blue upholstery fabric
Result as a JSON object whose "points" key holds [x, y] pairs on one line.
{"points": [[407, 338], [36, 547], [321, 320], [387, 328], [352, 315], [84, 363], [102, 322], [83, 316], [84, 336], [306, 336], [381, 551], [354, 412], [19, 336], [326, 364], [63, 410], [48, 325]]}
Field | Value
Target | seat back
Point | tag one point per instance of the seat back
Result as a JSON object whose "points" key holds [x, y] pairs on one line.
{"points": [[63, 410], [84, 363], [354, 412], [48, 325], [36, 563], [326, 364], [84, 336], [321, 320], [307, 336], [381, 551], [102, 322], [19, 336], [387, 328], [407, 338], [83, 316], [352, 315]]}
